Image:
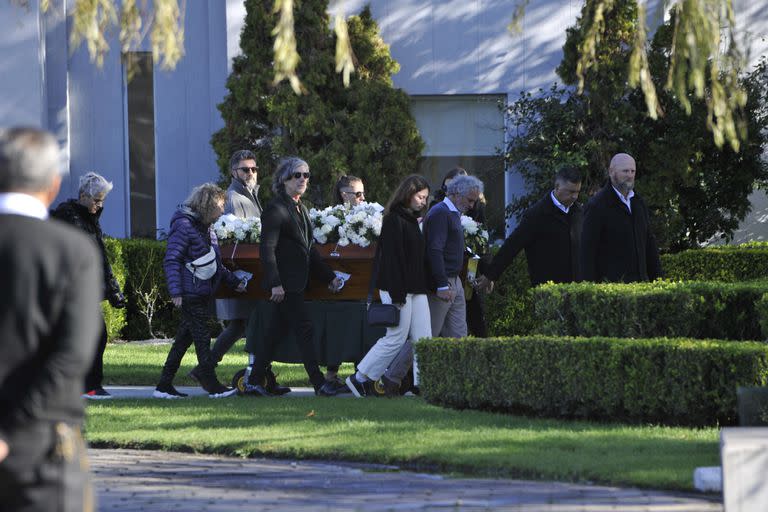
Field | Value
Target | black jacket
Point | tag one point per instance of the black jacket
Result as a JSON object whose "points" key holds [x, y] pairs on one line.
{"points": [[72, 212], [617, 245], [49, 321], [402, 260], [550, 238], [287, 249]]}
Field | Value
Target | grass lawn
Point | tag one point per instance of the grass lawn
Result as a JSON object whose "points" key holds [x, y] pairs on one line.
{"points": [[407, 431]]}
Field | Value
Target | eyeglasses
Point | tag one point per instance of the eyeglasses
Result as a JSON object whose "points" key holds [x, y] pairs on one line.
{"points": [[298, 175], [253, 170], [357, 194]]}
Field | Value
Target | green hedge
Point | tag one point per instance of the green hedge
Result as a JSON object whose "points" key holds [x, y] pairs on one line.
{"points": [[509, 308], [667, 381], [642, 310], [115, 318], [144, 266], [727, 263]]}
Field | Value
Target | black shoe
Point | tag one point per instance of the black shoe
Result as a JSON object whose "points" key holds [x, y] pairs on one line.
{"points": [[327, 389], [167, 391], [215, 389], [256, 390], [341, 386], [359, 389], [273, 387], [415, 390]]}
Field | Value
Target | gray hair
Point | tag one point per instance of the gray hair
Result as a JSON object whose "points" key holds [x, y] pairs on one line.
{"points": [[285, 169], [239, 156], [92, 184], [463, 184], [29, 159]]}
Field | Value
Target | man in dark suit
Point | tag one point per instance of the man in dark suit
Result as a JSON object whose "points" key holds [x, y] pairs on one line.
{"points": [[549, 233], [49, 327], [288, 255], [616, 241]]}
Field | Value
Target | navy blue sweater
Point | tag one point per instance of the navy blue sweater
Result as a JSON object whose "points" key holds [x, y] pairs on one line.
{"points": [[445, 244]]}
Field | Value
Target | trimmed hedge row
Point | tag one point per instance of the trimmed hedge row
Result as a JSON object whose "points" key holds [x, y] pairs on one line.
{"points": [[666, 381], [717, 310], [115, 319], [145, 289], [510, 308], [743, 262]]}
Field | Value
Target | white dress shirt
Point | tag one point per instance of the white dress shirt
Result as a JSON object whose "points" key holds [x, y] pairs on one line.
{"points": [[15, 203], [625, 200]]}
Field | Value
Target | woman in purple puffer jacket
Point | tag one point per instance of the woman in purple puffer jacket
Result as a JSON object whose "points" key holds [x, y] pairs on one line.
{"points": [[189, 240]]}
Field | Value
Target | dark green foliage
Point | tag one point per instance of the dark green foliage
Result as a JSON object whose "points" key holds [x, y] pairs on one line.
{"points": [[365, 130], [509, 309], [727, 263], [680, 309], [667, 381], [113, 317], [144, 267], [694, 190]]}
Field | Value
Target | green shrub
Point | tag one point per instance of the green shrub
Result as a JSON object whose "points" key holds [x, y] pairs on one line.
{"points": [[641, 310], [667, 381], [150, 311], [509, 308], [113, 317], [727, 263]]}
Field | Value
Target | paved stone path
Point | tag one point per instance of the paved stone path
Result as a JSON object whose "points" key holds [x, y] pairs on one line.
{"points": [[142, 481]]}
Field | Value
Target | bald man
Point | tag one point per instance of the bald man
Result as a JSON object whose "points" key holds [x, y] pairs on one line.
{"points": [[616, 240]]}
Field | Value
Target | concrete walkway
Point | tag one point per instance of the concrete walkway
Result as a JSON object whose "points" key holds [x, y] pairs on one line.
{"points": [[146, 391], [143, 481]]}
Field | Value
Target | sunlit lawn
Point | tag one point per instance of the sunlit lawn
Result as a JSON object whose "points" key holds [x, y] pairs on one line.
{"points": [[406, 431]]}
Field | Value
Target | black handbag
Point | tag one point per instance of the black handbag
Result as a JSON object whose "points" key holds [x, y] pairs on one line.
{"points": [[378, 314]]}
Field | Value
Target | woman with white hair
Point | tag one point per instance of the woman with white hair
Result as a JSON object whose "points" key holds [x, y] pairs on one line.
{"points": [[84, 213]]}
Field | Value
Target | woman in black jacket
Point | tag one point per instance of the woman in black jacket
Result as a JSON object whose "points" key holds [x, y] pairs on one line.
{"points": [[402, 280], [84, 213]]}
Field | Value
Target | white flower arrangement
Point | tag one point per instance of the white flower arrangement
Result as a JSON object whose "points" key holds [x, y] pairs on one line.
{"points": [[362, 225], [475, 236], [358, 225], [325, 223], [230, 228]]}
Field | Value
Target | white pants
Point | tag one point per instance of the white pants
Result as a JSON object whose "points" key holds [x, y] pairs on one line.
{"points": [[414, 325]]}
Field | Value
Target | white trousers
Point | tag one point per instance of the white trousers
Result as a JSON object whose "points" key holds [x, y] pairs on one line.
{"points": [[414, 325]]}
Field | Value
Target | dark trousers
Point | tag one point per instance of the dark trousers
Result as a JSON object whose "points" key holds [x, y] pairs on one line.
{"points": [[95, 375], [476, 324], [193, 328], [290, 314], [46, 470]]}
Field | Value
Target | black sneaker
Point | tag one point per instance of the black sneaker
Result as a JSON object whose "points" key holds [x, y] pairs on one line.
{"points": [[273, 387], [98, 393], [219, 390], [327, 389], [359, 389], [340, 385], [168, 392], [215, 389], [256, 390]]}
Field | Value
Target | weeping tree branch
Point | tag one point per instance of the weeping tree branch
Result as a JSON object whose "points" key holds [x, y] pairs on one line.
{"points": [[698, 65]]}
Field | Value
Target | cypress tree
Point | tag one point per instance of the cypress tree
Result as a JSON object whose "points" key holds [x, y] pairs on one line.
{"points": [[365, 129]]}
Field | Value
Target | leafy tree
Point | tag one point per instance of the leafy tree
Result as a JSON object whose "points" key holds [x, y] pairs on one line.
{"points": [[365, 129], [695, 189]]}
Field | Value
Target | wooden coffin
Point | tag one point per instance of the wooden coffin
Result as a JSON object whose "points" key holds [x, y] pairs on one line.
{"points": [[352, 259]]}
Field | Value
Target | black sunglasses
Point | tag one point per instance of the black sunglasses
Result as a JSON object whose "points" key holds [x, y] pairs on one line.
{"points": [[357, 194], [253, 170], [298, 175]]}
